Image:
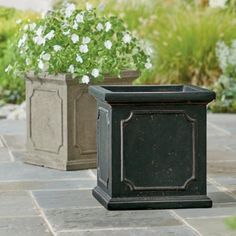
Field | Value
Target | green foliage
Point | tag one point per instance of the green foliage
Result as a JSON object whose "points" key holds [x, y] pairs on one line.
{"points": [[78, 42], [11, 88], [231, 222]]}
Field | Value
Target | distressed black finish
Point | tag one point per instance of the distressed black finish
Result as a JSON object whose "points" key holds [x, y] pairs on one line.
{"points": [[151, 146]]}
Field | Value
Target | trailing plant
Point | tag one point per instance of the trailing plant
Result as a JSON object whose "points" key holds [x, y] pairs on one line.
{"points": [[79, 42]]}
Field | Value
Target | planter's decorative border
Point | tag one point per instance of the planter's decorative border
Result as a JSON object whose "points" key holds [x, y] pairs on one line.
{"points": [[36, 147], [125, 122]]}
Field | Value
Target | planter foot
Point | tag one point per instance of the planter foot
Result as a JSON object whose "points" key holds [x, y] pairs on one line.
{"points": [[137, 203]]}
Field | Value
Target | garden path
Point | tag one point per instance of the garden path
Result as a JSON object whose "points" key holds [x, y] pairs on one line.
{"points": [[36, 201]]}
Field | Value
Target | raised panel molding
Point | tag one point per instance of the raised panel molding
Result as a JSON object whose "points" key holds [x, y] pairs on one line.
{"points": [[84, 123], [47, 115], [125, 123], [104, 138]]}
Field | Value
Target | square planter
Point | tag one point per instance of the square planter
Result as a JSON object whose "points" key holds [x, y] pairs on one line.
{"points": [[151, 146], [61, 121]]}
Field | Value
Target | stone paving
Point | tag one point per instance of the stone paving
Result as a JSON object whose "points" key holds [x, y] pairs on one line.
{"points": [[36, 201]]}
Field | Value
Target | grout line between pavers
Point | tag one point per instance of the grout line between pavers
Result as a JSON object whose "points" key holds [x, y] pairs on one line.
{"points": [[219, 129], [208, 217], [105, 229], [12, 158], [42, 214], [181, 219], [92, 174], [220, 187]]}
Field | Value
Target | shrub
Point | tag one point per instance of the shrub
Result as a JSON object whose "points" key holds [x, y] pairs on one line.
{"points": [[11, 88]]}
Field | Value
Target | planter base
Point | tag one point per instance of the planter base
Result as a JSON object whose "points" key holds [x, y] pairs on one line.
{"points": [[156, 202], [82, 164]]}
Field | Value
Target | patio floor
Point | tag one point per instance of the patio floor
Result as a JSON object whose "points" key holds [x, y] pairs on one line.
{"points": [[37, 201]]}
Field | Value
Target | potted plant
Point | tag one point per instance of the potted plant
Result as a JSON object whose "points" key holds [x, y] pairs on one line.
{"points": [[60, 55]]}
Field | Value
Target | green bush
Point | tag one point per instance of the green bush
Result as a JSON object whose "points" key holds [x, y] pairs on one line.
{"points": [[11, 88]]}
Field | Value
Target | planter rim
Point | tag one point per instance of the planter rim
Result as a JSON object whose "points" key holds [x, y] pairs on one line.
{"points": [[67, 77], [152, 93]]}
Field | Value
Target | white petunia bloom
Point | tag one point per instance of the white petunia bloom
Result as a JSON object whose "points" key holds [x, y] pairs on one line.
{"points": [[70, 8], [39, 40], [74, 38], [22, 41], [9, 68], [217, 3], [50, 35], [26, 27], [86, 40], [39, 31], [75, 26], [45, 57], [95, 73], [66, 32], [108, 44], [148, 64], [27, 61], [57, 48], [32, 26], [83, 48], [99, 27], [79, 58], [85, 79], [89, 7], [127, 38], [19, 21], [79, 18], [41, 65], [107, 26], [71, 69]]}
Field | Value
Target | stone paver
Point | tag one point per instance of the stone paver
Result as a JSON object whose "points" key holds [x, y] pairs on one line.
{"points": [[23, 226], [40, 201]]}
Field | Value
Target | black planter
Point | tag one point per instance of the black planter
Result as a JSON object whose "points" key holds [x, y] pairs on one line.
{"points": [[151, 146]]}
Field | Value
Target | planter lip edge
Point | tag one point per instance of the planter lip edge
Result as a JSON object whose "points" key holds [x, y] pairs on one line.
{"points": [[194, 94], [67, 77]]}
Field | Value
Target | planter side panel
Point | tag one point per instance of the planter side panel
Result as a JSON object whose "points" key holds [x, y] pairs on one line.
{"points": [[46, 124]]}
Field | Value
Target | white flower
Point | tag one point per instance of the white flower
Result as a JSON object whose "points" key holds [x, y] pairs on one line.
{"points": [[39, 31], [85, 79], [32, 26], [83, 48], [217, 3], [22, 41], [69, 10], [74, 38], [39, 40], [19, 21], [89, 6], [9, 68], [79, 18], [66, 32], [222, 52], [148, 64], [27, 61], [50, 35], [99, 27], [127, 38], [71, 69], [95, 73], [86, 40], [79, 58], [26, 27], [57, 48], [75, 26], [108, 44], [41, 65], [45, 56], [107, 26]]}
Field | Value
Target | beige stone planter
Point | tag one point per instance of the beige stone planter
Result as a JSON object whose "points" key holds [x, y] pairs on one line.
{"points": [[61, 121]]}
